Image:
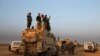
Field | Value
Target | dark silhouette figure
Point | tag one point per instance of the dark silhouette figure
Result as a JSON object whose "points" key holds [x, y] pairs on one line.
{"points": [[47, 23], [29, 20], [63, 47], [32, 27], [45, 19], [71, 48], [38, 19]]}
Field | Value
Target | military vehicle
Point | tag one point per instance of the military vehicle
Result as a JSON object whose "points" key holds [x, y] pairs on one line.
{"points": [[38, 42]]}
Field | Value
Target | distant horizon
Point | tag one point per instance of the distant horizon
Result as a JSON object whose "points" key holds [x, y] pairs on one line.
{"points": [[80, 40]]}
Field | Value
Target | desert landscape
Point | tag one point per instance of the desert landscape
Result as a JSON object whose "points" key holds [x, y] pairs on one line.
{"points": [[78, 52], [54, 26]]}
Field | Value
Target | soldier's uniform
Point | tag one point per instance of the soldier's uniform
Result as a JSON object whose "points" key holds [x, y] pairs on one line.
{"points": [[29, 20]]}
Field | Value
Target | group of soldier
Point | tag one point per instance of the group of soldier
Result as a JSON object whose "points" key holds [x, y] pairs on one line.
{"points": [[67, 45], [41, 20]]}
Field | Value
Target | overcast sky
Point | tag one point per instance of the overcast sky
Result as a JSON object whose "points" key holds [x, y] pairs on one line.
{"points": [[80, 19]]}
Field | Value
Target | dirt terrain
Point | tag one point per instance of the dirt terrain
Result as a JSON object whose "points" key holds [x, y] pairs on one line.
{"points": [[78, 52]]}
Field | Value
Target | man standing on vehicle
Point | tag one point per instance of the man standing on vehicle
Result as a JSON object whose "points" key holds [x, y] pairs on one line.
{"points": [[39, 21], [29, 20]]}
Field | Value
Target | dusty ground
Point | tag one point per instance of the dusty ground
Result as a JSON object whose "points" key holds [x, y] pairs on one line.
{"points": [[78, 52]]}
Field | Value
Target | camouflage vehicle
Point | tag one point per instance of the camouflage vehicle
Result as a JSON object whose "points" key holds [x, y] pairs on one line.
{"points": [[37, 43]]}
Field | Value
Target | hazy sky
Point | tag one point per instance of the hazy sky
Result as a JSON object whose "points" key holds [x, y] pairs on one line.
{"points": [[78, 18]]}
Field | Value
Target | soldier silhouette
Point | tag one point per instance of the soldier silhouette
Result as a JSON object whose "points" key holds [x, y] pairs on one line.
{"points": [[39, 21], [47, 23], [29, 20]]}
